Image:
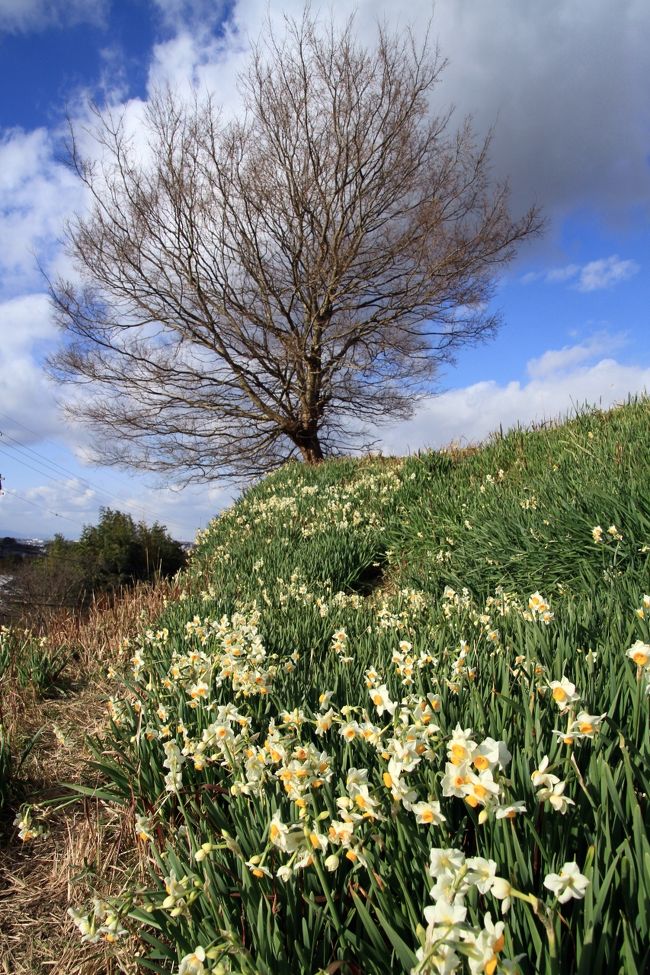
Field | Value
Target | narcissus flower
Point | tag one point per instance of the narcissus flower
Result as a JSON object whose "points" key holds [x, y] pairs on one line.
{"points": [[502, 890], [640, 653], [539, 608], [455, 779], [143, 829], [381, 699], [564, 693], [568, 883], [445, 914], [554, 793], [192, 964], [461, 747], [490, 754], [511, 811], [481, 873], [428, 813], [586, 725], [484, 951], [540, 777]]}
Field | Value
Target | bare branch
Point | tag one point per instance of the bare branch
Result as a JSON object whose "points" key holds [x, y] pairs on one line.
{"points": [[277, 285]]}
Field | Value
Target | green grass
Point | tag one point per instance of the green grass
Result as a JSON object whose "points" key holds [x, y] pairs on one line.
{"points": [[375, 549]]}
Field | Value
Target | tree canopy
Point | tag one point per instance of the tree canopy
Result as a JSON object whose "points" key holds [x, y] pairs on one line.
{"points": [[277, 284]]}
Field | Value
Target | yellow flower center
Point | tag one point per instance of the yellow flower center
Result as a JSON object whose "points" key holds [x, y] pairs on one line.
{"points": [[559, 694], [458, 754]]}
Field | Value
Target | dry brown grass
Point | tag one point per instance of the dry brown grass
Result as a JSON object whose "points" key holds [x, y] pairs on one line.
{"points": [[89, 851], [108, 622], [90, 848]]}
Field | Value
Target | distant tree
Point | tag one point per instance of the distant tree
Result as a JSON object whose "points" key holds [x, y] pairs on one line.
{"points": [[271, 286], [115, 553], [110, 550], [118, 552], [52, 577], [160, 554]]}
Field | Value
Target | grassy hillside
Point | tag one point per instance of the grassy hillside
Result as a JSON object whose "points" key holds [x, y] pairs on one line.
{"points": [[397, 721]]}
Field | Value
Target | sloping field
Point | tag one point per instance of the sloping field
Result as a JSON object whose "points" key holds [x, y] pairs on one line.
{"points": [[397, 721]]}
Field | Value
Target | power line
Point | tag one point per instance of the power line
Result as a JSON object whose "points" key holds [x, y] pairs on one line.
{"points": [[56, 514], [55, 467], [60, 470], [80, 523], [52, 464], [41, 439], [19, 460]]}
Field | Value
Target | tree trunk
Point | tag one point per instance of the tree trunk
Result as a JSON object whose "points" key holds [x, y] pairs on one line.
{"points": [[309, 445]]}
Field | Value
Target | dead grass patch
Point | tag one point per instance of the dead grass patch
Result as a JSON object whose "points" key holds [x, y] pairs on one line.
{"points": [[90, 849]]}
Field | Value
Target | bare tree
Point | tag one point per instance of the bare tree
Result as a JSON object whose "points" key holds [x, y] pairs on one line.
{"points": [[273, 286]]}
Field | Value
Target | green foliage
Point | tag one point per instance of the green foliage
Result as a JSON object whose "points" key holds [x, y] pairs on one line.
{"points": [[118, 552], [115, 553], [28, 661], [463, 589]]}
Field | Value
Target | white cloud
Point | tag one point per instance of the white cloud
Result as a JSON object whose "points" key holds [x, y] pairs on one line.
{"points": [[533, 71], [26, 15], [37, 193], [200, 14], [561, 274], [470, 414], [557, 360], [200, 60], [67, 504], [488, 75], [26, 327], [605, 273], [594, 276]]}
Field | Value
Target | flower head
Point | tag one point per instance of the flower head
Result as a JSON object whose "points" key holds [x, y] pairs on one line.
{"points": [[192, 964], [568, 883], [564, 693], [639, 652]]}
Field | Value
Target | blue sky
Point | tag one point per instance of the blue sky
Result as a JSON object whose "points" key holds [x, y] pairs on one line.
{"points": [[564, 84]]}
